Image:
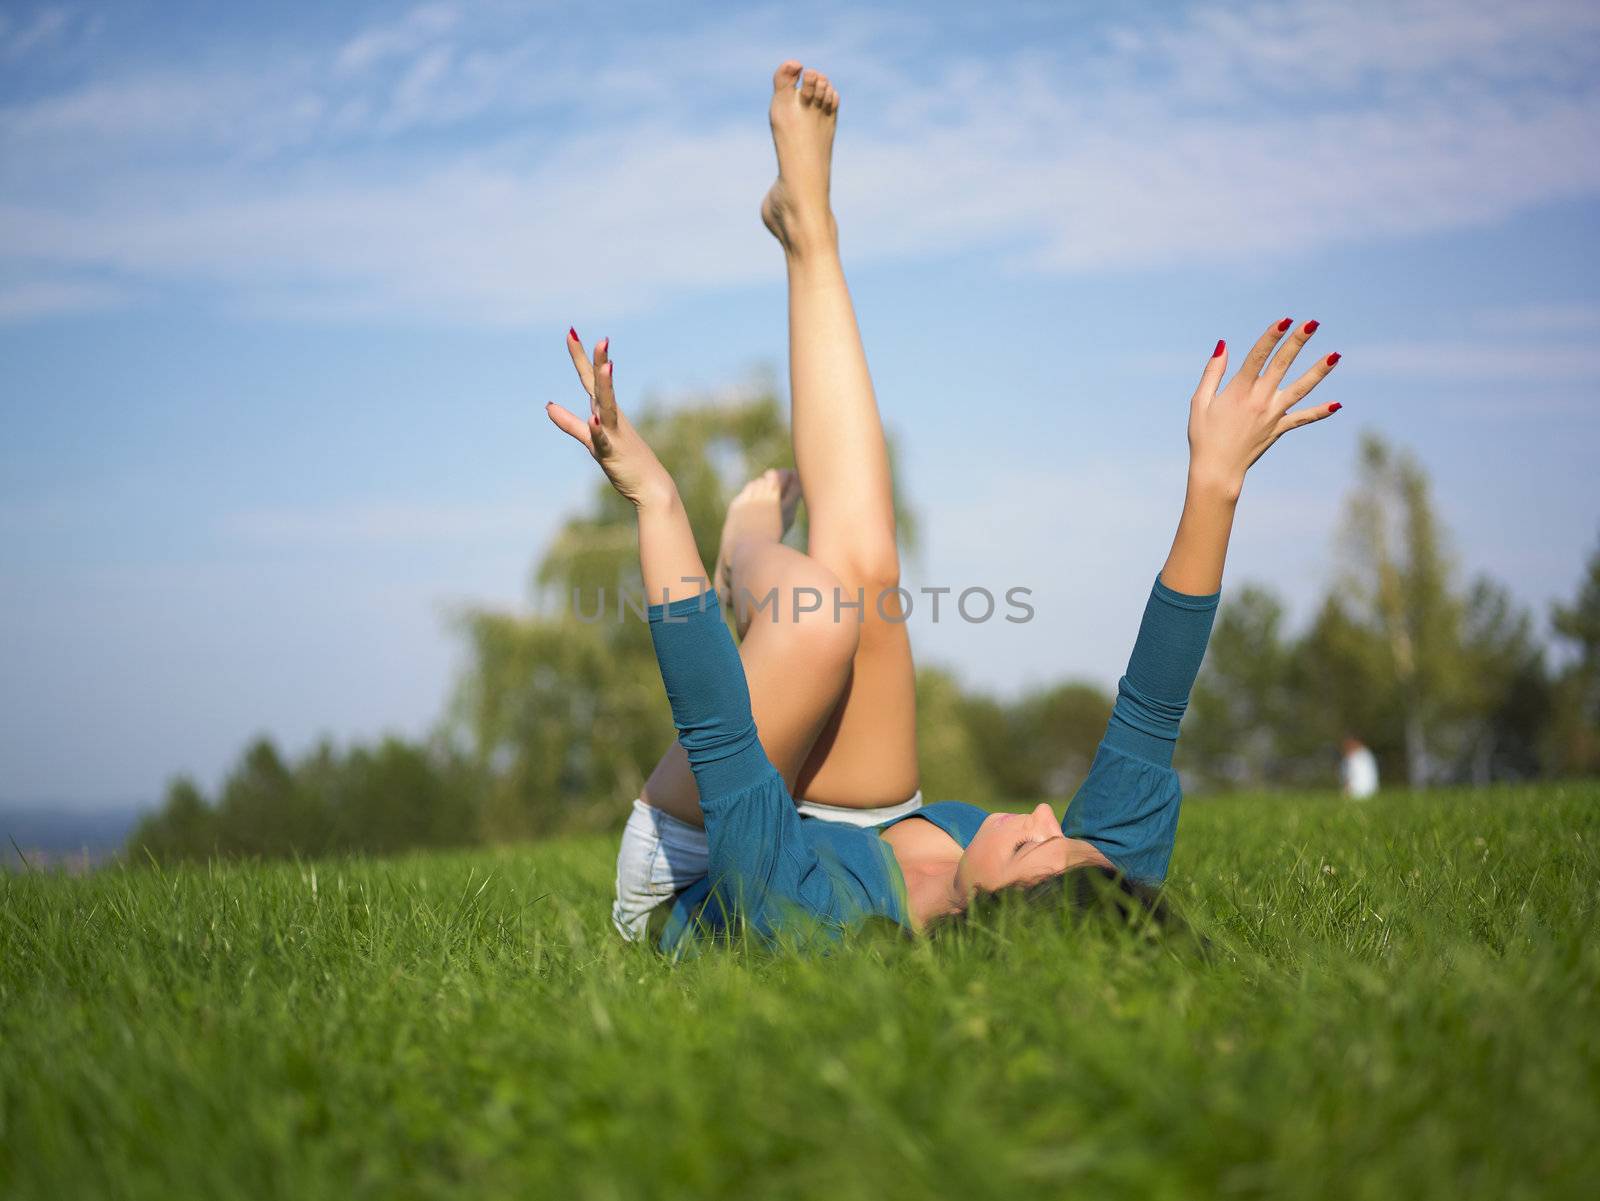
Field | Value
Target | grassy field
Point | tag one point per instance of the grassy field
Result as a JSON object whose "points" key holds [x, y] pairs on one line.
{"points": [[1402, 1000]]}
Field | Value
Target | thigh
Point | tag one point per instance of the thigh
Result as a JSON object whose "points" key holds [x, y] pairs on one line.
{"points": [[866, 754]]}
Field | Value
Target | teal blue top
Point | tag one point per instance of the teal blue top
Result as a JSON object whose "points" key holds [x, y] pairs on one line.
{"points": [[773, 869]]}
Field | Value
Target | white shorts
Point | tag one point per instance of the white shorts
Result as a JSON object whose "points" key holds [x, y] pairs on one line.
{"points": [[661, 855]]}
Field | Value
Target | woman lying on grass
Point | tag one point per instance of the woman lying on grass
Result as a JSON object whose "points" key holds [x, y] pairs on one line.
{"points": [[819, 701]]}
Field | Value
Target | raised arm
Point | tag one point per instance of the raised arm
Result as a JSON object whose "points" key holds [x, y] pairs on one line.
{"points": [[1128, 805], [699, 665], [751, 824]]}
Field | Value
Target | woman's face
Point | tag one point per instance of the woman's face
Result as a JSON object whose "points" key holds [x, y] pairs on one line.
{"points": [[1018, 848]]}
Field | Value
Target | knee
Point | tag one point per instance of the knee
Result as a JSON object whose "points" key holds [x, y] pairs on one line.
{"points": [[830, 633], [872, 567], [824, 618]]}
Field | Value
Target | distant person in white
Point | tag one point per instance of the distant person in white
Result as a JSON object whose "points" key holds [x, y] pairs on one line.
{"points": [[1358, 770]]}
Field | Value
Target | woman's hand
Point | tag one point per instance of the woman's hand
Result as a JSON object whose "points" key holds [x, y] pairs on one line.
{"points": [[630, 465], [1228, 431], [1230, 428]]}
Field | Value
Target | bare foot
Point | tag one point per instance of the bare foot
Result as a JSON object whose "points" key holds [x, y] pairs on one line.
{"points": [[803, 120], [762, 511]]}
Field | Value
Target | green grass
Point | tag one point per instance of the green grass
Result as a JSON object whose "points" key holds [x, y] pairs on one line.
{"points": [[1403, 1000]]}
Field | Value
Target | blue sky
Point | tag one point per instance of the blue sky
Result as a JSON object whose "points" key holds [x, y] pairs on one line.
{"points": [[283, 290]]}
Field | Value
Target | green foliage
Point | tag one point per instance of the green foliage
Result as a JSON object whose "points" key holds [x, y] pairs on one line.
{"points": [[564, 719], [1573, 739], [1505, 697], [1240, 705], [1039, 746], [1444, 683], [1401, 581], [391, 798], [947, 748], [1401, 1001], [264, 810], [183, 828]]}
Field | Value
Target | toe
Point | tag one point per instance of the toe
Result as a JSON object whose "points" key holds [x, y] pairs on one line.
{"points": [[788, 71], [808, 86]]}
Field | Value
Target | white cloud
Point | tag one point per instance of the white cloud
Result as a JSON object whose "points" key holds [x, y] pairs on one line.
{"points": [[1575, 317], [1498, 361], [307, 185], [46, 27], [24, 299], [414, 31]]}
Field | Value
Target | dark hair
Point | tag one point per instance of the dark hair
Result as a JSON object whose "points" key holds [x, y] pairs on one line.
{"points": [[1091, 890]]}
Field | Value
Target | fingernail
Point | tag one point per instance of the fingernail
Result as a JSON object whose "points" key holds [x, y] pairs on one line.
{"points": [[1311, 327], [572, 333], [1334, 358], [1221, 346], [1285, 324], [1334, 408], [605, 343], [608, 368]]}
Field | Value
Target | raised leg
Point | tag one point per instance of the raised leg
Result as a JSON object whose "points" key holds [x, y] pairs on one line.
{"points": [[866, 754]]}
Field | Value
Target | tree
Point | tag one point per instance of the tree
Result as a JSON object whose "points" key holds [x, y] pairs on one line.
{"points": [[184, 828], [1058, 732], [1506, 695], [1040, 746], [948, 754], [393, 797], [1399, 583], [1340, 684], [262, 811], [1573, 741], [1233, 729], [1440, 684]]}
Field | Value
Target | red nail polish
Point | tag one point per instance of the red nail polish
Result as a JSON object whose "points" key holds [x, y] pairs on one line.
{"points": [[1285, 324], [1221, 346], [1311, 327], [572, 333], [1334, 408], [608, 368], [605, 344], [1334, 358]]}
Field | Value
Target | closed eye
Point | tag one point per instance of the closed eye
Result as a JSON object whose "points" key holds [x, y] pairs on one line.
{"points": [[1027, 842]]}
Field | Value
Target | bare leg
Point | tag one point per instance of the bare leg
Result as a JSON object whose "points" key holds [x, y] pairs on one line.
{"points": [[795, 664], [866, 755], [763, 511]]}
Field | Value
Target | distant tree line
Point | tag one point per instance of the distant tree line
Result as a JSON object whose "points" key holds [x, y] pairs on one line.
{"points": [[1447, 681], [558, 716], [383, 799]]}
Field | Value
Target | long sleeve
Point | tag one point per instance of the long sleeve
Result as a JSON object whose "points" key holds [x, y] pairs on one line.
{"points": [[1128, 805], [760, 862], [704, 679]]}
